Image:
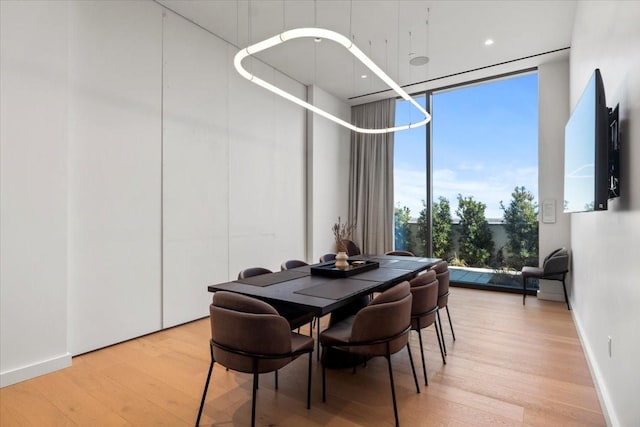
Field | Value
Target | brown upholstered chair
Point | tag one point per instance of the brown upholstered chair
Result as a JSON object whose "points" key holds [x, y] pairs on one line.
{"points": [[379, 329], [292, 263], [248, 335], [327, 257], [554, 267], [442, 274], [400, 253], [351, 248], [253, 271], [296, 318], [424, 306]]}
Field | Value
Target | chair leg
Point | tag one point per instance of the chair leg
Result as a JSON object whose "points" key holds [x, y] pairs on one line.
{"points": [[524, 289], [318, 340], [393, 389], [566, 298], [439, 328], [424, 366], [206, 387], [444, 360], [413, 368], [253, 399], [276, 379], [450, 324], [324, 376], [309, 382]]}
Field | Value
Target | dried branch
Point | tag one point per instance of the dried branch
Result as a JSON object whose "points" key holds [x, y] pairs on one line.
{"points": [[341, 232]]}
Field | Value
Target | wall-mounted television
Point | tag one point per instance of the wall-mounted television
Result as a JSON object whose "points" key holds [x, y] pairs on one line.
{"points": [[590, 157]]}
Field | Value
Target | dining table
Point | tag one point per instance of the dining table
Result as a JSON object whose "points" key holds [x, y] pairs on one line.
{"points": [[322, 289]]}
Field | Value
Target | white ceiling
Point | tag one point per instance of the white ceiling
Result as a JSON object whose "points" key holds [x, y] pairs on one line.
{"points": [[525, 34]]}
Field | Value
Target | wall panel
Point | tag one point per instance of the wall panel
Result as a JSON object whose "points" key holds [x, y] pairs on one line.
{"points": [[266, 178], [195, 169], [33, 189], [115, 51]]}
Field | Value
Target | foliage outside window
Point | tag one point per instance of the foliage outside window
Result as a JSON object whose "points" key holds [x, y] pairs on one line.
{"points": [[476, 242], [442, 230], [521, 225], [401, 216]]}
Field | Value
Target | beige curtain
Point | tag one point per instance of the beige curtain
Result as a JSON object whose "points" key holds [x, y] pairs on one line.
{"points": [[371, 177]]}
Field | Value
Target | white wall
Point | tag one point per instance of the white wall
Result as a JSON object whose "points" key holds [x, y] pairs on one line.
{"points": [[115, 131], [606, 245], [233, 170], [328, 151], [33, 189], [553, 113], [266, 178], [195, 184], [137, 168]]}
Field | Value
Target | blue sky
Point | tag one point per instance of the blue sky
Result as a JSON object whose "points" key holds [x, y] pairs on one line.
{"points": [[485, 143]]}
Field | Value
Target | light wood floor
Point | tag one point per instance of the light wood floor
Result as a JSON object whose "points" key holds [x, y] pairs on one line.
{"points": [[510, 365]]}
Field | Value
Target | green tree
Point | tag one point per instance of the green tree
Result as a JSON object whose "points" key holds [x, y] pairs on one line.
{"points": [[441, 237], [476, 241], [401, 216], [521, 225]]}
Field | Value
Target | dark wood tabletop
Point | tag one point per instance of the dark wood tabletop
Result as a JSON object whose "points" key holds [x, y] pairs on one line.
{"points": [[322, 295]]}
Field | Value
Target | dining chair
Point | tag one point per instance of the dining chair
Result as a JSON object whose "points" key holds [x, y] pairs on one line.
{"points": [[292, 263], [400, 253], [327, 257], [554, 267], [296, 317], [379, 329], [442, 274], [424, 306], [248, 335], [351, 248]]}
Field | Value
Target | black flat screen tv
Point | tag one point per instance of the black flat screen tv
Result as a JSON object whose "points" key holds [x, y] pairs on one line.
{"points": [[586, 155]]}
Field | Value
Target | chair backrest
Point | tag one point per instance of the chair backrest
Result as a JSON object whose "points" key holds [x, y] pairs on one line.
{"points": [[240, 325], [388, 315], [351, 248], [292, 263], [253, 271], [557, 262], [442, 274], [400, 253], [424, 303], [327, 257]]}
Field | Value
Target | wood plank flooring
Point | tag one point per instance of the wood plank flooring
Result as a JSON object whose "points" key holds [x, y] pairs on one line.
{"points": [[510, 365]]}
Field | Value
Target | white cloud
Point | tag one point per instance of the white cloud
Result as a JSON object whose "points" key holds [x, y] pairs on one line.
{"points": [[490, 186], [476, 166]]}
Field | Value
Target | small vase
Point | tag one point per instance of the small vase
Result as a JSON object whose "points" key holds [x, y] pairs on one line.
{"points": [[341, 261]]}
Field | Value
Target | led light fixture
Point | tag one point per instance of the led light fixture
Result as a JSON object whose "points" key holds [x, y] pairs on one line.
{"points": [[321, 33]]}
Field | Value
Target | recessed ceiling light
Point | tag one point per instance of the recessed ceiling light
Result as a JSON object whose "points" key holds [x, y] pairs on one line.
{"points": [[488, 42], [317, 40], [419, 60], [364, 76]]}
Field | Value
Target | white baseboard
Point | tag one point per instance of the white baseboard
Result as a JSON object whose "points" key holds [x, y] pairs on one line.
{"points": [[603, 395], [34, 370]]}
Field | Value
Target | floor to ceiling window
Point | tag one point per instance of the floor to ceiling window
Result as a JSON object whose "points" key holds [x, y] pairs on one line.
{"points": [[409, 174], [479, 208]]}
